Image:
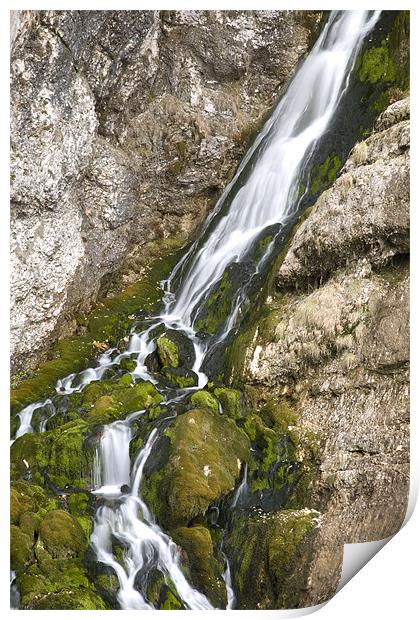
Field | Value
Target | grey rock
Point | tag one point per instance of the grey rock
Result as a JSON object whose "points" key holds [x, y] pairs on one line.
{"points": [[125, 127], [366, 212], [340, 349]]}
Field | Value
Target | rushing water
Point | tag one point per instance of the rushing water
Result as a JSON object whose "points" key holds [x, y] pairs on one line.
{"points": [[263, 193]]}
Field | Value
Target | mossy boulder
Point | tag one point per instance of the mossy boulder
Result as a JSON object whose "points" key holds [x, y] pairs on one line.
{"points": [[205, 455], [180, 377], [204, 400], [269, 553], [205, 569], [162, 593], [106, 401], [62, 535], [63, 455], [167, 351], [47, 578], [76, 598], [230, 400], [21, 553]]}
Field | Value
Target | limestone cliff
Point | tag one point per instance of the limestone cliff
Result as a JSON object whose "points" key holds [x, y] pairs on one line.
{"points": [[334, 342], [125, 125]]}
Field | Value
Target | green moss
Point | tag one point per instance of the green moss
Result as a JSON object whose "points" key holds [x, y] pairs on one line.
{"points": [[68, 459], [178, 377], [26, 454], [167, 351], [377, 65], [128, 364], [324, 174], [29, 523], [21, 553], [385, 68], [152, 491], [217, 307], [171, 601], [109, 321], [70, 355], [62, 534], [182, 148], [76, 598], [204, 400], [106, 401], [205, 569], [205, 455], [230, 400], [271, 549]]}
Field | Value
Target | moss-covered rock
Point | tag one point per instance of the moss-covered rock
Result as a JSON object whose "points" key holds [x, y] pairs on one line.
{"points": [[205, 455], [217, 306], [109, 321], [180, 377], [21, 553], [76, 598], [204, 400], [167, 351], [62, 534], [162, 593], [269, 554], [230, 400], [206, 571]]}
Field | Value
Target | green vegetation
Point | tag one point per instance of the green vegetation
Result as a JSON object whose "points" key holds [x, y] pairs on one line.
{"points": [[267, 548], [204, 568], [217, 308], [110, 320], [167, 351], [204, 400], [205, 454], [325, 174]]}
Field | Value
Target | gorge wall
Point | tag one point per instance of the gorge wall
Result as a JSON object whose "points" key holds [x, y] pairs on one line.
{"points": [[125, 126], [333, 341]]}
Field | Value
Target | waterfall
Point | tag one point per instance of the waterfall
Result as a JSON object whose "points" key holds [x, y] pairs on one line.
{"points": [[130, 521], [112, 465], [263, 192], [283, 147], [241, 490]]}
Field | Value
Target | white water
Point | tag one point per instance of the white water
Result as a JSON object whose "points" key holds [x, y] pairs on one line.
{"points": [[130, 521], [268, 196], [242, 488]]}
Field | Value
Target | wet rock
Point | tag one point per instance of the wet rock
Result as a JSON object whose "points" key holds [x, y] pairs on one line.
{"points": [[365, 213], [62, 535], [335, 340], [205, 455], [204, 400], [167, 351], [271, 550], [205, 569]]}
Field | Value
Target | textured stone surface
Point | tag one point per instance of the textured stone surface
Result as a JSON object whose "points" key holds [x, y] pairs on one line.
{"points": [[125, 127], [366, 210], [335, 340]]}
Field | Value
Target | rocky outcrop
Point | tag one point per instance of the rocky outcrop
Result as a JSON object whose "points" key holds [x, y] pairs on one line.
{"points": [[125, 126], [334, 341]]}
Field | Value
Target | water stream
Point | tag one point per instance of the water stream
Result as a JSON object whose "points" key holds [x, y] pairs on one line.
{"points": [[264, 192]]}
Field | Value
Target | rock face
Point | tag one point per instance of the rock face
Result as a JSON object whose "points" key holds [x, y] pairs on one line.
{"points": [[335, 342], [125, 127]]}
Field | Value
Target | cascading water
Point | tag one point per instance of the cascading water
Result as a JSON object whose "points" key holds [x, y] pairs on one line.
{"points": [[263, 193], [131, 522]]}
